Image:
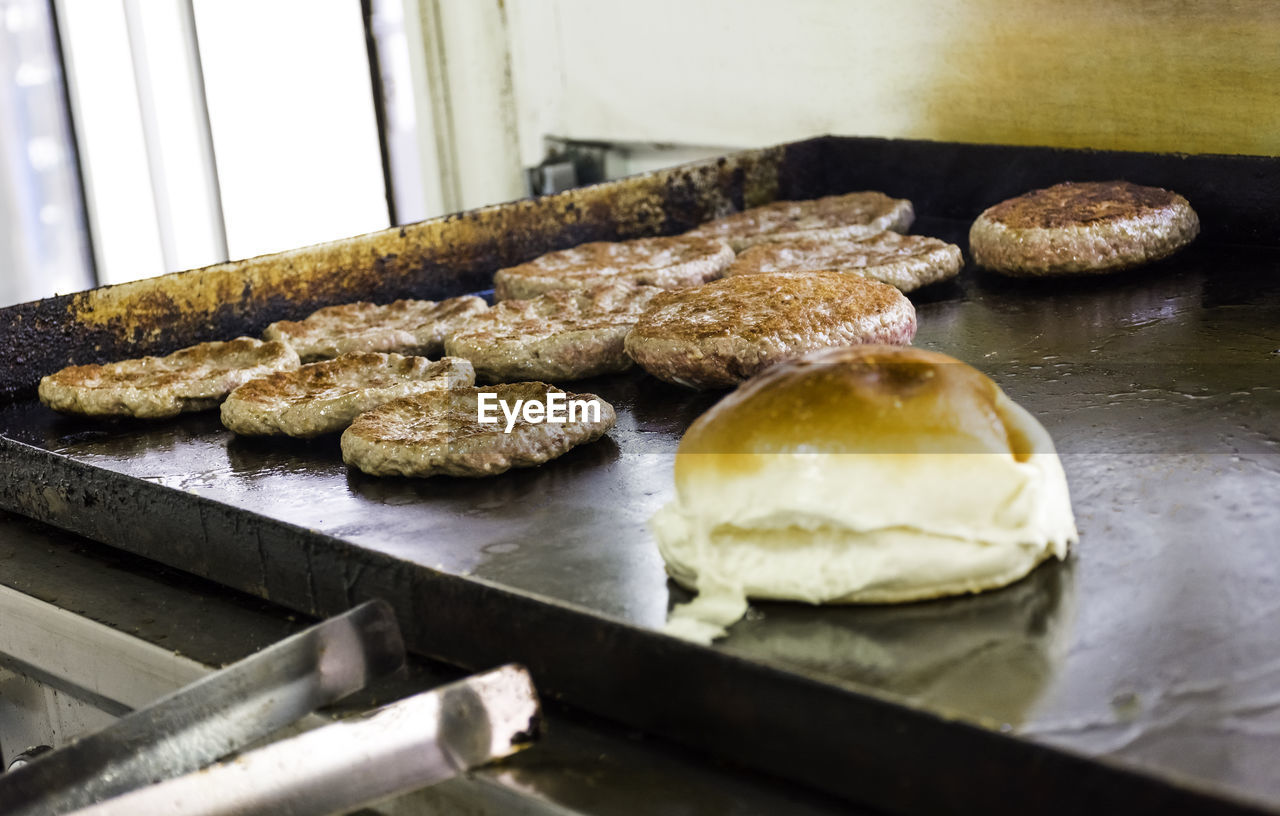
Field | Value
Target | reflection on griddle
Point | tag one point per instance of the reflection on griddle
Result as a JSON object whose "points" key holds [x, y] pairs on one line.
{"points": [[986, 657], [1023, 320], [123, 436], [282, 454], [660, 407], [1157, 360]]}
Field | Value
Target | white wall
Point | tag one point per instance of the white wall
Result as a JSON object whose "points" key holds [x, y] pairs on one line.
{"points": [[1154, 75], [1157, 75]]}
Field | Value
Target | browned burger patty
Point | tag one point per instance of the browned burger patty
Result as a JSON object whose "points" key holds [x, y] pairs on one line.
{"points": [[840, 217], [668, 263], [1082, 229], [406, 326], [324, 397], [439, 433], [562, 335], [190, 379], [717, 335], [905, 262]]}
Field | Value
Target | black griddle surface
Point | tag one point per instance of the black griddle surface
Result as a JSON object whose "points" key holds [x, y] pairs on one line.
{"points": [[1153, 648], [1154, 644]]}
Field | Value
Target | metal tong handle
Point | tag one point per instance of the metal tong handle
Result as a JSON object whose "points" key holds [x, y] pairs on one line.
{"points": [[212, 717], [416, 742]]}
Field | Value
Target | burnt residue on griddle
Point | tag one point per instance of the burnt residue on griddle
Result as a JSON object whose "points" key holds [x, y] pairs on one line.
{"points": [[432, 259]]}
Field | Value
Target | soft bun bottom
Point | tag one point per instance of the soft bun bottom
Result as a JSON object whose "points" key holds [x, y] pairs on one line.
{"points": [[825, 566], [849, 529]]}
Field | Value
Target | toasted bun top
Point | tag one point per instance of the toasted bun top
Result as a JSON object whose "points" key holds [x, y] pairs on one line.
{"points": [[1074, 204], [862, 399]]}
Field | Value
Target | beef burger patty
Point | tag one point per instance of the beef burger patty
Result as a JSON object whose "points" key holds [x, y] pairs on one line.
{"points": [[562, 335], [1082, 229], [720, 334], [191, 379], [415, 327], [668, 263], [324, 397], [439, 433], [905, 262], [838, 217]]}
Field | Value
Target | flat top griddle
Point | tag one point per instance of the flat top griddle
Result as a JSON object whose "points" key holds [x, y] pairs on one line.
{"points": [[1148, 662]]}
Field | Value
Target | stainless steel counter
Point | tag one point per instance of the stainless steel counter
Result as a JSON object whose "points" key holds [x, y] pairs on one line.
{"points": [[87, 634]]}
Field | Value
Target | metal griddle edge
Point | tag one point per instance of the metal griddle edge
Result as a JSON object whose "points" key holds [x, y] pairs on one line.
{"points": [[865, 743]]}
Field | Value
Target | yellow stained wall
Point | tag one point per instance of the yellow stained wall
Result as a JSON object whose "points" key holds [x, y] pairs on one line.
{"points": [[1155, 75]]}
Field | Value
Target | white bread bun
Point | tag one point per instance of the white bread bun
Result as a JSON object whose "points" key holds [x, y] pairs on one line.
{"points": [[871, 474]]}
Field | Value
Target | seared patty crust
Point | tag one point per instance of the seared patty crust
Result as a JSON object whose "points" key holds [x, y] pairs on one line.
{"points": [[439, 433], [196, 378], [838, 217], [416, 327], [720, 334], [324, 397], [905, 262], [562, 335], [668, 263], [1082, 229]]}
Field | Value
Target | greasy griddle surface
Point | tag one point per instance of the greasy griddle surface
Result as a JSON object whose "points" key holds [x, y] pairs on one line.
{"points": [[1152, 650], [1154, 645]]}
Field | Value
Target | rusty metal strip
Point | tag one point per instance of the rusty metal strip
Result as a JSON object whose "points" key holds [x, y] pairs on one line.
{"points": [[434, 258]]}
